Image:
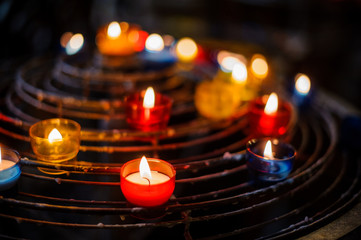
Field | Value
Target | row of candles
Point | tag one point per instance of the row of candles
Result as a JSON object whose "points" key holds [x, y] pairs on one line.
{"points": [[121, 39], [151, 182]]}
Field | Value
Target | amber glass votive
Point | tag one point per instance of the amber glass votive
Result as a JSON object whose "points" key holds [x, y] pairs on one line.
{"points": [[216, 99], [147, 118], [61, 146], [143, 193]]}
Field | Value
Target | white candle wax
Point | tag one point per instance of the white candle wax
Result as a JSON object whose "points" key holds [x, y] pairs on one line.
{"points": [[5, 164], [157, 178]]}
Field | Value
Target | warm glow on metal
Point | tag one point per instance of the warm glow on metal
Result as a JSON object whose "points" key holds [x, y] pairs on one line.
{"points": [[55, 136], [303, 84], [114, 30], [259, 66], [268, 150], [154, 43], [239, 72], [272, 104], [186, 49], [144, 169], [149, 98], [75, 44]]}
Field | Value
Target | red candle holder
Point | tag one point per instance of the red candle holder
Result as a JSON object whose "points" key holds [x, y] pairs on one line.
{"points": [[264, 124], [144, 193], [147, 118]]}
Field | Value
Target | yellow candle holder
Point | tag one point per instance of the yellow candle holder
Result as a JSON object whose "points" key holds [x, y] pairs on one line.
{"points": [[55, 140], [216, 99]]}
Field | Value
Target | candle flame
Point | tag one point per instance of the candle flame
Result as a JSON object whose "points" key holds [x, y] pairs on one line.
{"points": [[149, 98], [55, 136], [154, 43], [75, 44], [268, 150], [186, 49], [259, 66], [272, 104], [239, 72], [144, 169], [114, 30], [303, 84]]}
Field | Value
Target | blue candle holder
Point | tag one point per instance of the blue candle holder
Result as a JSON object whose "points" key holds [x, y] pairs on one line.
{"points": [[9, 168], [158, 59], [269, 169]]}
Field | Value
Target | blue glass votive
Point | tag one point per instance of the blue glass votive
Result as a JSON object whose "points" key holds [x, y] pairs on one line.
{"points": [[302, 93], [9, 168], [273, 168]]}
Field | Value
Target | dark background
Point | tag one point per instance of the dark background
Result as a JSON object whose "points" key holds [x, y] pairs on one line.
{"points": [[318, 37]]}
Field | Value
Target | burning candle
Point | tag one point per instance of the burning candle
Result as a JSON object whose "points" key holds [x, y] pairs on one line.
{"points": [[269, 159], [156, 53], [302, 91], [186, 49], [147, 182], [148, 110], [9, 168], [118, 39], [55, 140], [240, 79], [259, 66], [269, 116]]}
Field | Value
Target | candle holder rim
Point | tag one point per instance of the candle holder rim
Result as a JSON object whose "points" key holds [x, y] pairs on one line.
{"points": [[284, 104], [274, 159], [34, 136], [149, 160], [128, 101], [18, 157]]}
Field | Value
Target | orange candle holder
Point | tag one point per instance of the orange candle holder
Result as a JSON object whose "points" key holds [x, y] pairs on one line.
{"points": [[55, 140], [147, 194], [119, 39]]}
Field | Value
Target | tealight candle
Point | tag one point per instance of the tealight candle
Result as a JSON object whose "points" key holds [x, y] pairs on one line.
{"points": [[269, 159], [155, 53], [269, 116], [55, 140], [147, 182], [118, 39], [148, 110], [216, 99], [302, 91], [9, 168], [186, 49]]}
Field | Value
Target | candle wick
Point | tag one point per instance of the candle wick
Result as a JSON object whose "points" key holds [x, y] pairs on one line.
{"points": [[147, 180]]}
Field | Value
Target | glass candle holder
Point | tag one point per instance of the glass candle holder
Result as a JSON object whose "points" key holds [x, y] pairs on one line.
{"points": [[144, 193], [147, 118], [216, 99], [56, 145], [267, 168], [118, 39], [9, 168], [264, 124]]}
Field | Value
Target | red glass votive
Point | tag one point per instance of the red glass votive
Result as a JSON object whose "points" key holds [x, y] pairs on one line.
{"points": [[147, 118], [144, 194], [264, 124]]}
